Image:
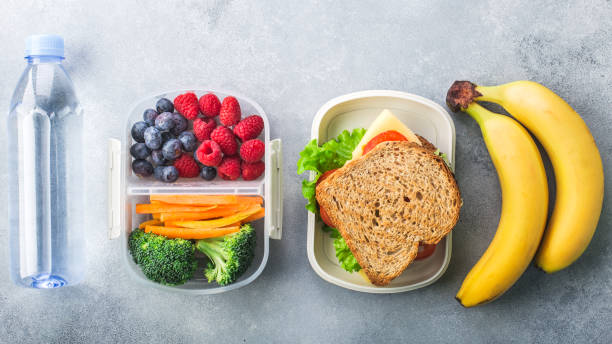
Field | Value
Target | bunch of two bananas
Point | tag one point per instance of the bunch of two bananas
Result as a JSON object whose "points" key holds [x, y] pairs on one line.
{"points": [[523, 231]]}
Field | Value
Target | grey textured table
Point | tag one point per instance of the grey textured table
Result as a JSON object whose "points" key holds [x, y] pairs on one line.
{"points": [[291, 57]]}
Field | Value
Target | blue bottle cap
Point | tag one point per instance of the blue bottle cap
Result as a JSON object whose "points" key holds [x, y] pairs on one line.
{"points": [[44, 45]]}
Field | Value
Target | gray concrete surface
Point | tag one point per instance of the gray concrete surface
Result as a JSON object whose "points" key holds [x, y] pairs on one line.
{"points": [[291, 57]]}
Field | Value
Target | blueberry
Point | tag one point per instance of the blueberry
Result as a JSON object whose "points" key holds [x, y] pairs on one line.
{"points": [[153, 138], [164, 121], [164, 105], [142, 168], [138, 130], [195, 157], [188, 141], [140, 151], [166, 135], [172, 149], [169, 174], [208, 173], [180, 123], [157, 172], [149, 116], [158, 158]]}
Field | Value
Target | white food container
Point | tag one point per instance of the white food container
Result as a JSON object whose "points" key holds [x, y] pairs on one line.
{"points": [[358, 110], [126, 190]]}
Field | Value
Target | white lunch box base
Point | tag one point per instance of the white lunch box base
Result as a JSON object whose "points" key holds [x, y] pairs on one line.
{"points": [[358, 110], [126, 190]]}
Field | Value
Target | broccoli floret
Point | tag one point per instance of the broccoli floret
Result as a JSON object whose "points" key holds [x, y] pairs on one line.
{"points": [[230, 255], [134, 242], [163, 260]]}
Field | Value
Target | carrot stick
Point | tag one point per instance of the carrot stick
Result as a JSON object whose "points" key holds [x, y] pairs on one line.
{"points": [[195, 199], [235, 207], [250, 199], [225, 221], [191, 233], [258, 215], [153, 222], [183, 216], [167, 208], [155, 216], [211, 214], [219, 211]]}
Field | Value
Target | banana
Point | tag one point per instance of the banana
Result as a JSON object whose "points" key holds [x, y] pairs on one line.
{"points": [[524, 208], [575, 159]]}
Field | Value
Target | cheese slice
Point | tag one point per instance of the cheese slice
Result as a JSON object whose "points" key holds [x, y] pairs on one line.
{"points": [[384, 122], [364, 276]]}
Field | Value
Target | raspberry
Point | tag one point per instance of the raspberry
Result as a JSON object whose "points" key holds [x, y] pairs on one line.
{"points": [[226, 139], [252, 150], [187, 105], [249, 128], [229, 169], [230, 111], [209, 153], [252, 170], [202, 127], [186, 166], [210, 105]]}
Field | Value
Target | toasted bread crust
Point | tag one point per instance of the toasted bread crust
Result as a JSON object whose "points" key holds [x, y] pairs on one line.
{"points": [[426, 144], [384, 211]]}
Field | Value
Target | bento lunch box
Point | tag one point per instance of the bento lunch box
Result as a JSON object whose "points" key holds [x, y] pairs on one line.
{"points": [[358, 110], [127, 189]]}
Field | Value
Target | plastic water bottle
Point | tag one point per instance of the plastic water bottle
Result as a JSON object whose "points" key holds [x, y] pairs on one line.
{"points": [[45, 165]]}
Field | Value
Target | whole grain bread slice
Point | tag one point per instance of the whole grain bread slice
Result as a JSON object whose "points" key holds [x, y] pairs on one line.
{"points": [[387, 202]]}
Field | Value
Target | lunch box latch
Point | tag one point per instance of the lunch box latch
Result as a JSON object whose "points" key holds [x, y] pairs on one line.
{"points": [[114, 188], [275, 190]]}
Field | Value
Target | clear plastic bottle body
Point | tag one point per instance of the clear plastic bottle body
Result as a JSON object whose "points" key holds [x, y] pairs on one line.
{"points": [[46, 195]]}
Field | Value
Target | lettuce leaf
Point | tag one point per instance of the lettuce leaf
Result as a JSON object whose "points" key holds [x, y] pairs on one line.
{"points": [[343, 253], [319, 159], [444, 157]]}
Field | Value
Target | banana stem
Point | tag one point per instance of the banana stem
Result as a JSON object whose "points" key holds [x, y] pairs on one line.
{"points": [[490, 94], [479, 113], [462, 93]]}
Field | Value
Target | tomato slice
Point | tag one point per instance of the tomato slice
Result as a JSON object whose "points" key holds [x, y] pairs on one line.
{"points": [[324, 217], [325, 175], [389, 135], [425, 250]]}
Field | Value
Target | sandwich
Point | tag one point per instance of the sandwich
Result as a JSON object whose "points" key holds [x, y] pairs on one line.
{"points": [[394, 194]]}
